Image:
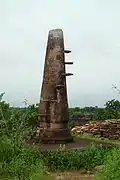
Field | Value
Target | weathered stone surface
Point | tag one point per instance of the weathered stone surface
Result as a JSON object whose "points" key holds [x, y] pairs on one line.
{"points": [[53, 108]]}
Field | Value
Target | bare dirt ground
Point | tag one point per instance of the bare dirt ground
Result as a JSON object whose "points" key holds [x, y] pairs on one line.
{"points": [[71, 176], [77, 144]]}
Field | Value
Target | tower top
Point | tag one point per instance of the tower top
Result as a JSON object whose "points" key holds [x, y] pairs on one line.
{"points": [[56, 33]]}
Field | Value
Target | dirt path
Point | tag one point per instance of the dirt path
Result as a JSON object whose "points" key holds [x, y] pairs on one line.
{"points": [[77, 144], [74, 176], [70, 176]]}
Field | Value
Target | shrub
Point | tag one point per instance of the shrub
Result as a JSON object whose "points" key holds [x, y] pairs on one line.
{"points": [[19, 162], [86, 158], [111, 169]]}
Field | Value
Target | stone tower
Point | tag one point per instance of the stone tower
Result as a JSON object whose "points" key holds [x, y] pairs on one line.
{"points": [[53, 108]]}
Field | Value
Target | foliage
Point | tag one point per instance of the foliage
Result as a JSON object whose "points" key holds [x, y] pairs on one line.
{"points": [[15, 126], [111, 168], [74, 111], [15, 121], [110, 111], [64, 160], [20, 162], [17, 161], [94, 138], [113, 105]]}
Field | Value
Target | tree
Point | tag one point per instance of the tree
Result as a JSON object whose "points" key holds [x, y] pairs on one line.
{"points": [[113, 105]]}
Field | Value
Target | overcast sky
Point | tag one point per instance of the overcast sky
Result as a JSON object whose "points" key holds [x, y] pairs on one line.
{"points": [[91, 30]]}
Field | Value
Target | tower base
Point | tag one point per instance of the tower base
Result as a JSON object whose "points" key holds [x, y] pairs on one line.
{"points": [[56, 136]]}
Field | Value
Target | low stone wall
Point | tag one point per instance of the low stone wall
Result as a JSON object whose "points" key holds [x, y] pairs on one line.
{"points": [[107, 129]]}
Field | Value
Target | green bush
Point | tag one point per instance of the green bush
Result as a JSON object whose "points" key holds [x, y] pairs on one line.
{"points": [[86, 158], [19, 162], [15, 160], [111, 169]]}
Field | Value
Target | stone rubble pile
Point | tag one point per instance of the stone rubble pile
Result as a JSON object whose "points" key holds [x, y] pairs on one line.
{"points": [[106, 129]]}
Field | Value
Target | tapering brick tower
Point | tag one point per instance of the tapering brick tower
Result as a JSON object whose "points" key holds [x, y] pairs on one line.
{"points": [[53, 108]]}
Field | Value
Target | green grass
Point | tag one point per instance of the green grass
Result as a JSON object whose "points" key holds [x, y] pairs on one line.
{"points": [[67, 160], [111, 168], [21, 163], [18, 162], [97, 139]]}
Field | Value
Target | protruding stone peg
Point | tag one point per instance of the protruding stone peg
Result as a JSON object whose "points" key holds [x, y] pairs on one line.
{"points": [[69, 63], [67, 74], [59, 86], [67, 51]]}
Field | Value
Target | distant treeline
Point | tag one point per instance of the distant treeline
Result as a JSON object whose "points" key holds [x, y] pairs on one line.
{"points": [[78, 116]]}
